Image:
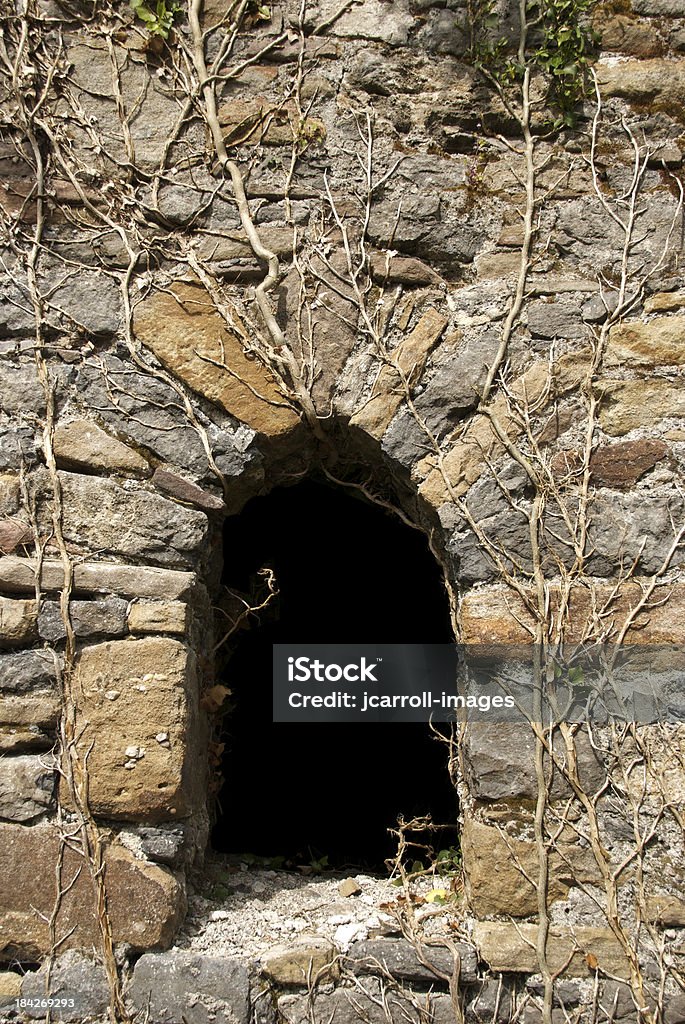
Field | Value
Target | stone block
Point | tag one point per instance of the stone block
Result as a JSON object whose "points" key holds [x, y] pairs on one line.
{"points": [[185, 332], [18, 575], [159, 617], [9, 494], [499, 763], [302, 958], [410, 356], [146, 902], [27, 787], [185, 490], [23, 671], [18, 622], [496, 618], [511, 948], [129, 693], [657, 82], [101, 515], [649, 343], [88, 618], [365, 1002], [399, 957], [622, 464], [73, 976], [171, 986], [81, 444], [492, 854]]}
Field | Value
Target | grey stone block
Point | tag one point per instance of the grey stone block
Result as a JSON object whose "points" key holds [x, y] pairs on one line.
{"points": [[89, 619], [27, 787], [22, 671], [74, 979], [200, 989], [402, 961]]}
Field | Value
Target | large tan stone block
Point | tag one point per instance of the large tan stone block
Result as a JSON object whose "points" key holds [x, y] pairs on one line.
{"points": [[183, 329], [510, 947], [146, 902], [631, 404], [491, 854], [657, 342], [137, 709], [19, 575]]}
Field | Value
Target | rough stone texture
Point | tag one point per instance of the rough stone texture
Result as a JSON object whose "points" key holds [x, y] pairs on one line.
{"points": [[186, 491], [88, 618], [129, 692], [499, 763], [181, 327], [347, 1006], [657, 342], [102, 516], [628, 405], [27, 787], [660, 83], [73, 976], [201, 988], [21, 671], [18, 621], [489, 852], [302, 958], [146, 901], [9, 494], [19, 575], [495, 618], [624, 463], [159, 617], [14, 535], [511, 947], [399, 957], [83, 445], [410, 357]]}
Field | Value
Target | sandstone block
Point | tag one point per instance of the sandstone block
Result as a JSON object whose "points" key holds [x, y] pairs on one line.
{"points": [[410, 356], [19, 575], [657, 342], [129, 693], [159, 617], [185, 332], [18, 621], [657, 82], [81, 444], [146, 902], [511, 947], [489, 852], [495, 618], [631, 404], [301, 958]]}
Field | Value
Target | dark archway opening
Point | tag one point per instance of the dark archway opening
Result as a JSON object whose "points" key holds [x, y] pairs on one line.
{"points": [[349, 572]]}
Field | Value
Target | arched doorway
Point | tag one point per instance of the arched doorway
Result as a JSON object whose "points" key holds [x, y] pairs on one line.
{"points": [[347, 572]]}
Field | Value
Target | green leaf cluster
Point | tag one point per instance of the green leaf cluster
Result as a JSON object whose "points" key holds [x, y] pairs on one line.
{"points": [[158, 18]]}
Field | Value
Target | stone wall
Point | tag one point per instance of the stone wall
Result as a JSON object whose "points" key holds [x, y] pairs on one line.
{"points": [[145, 395]]}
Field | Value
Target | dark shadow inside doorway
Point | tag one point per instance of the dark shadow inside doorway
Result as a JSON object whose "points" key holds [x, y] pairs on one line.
{"points": [[347, 572]]}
